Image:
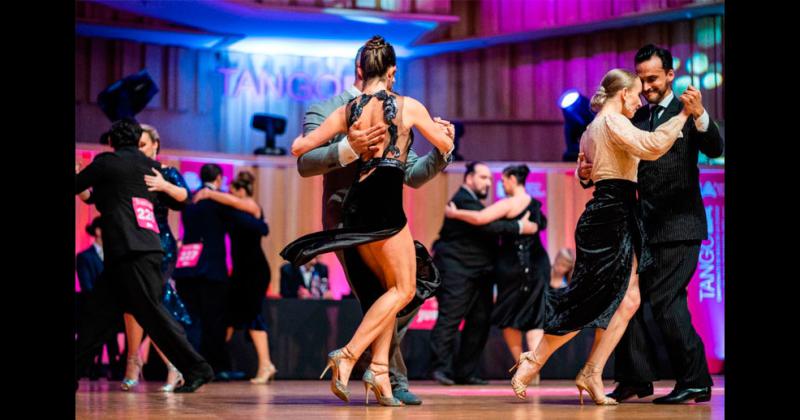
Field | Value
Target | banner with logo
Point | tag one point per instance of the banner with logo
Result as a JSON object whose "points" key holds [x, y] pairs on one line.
{"points": [[707, 288]]}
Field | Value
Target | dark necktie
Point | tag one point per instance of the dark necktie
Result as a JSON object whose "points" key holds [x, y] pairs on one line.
{"points": [[654, 116]]}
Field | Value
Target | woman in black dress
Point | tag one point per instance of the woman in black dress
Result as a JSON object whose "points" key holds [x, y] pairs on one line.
{"points": [[375, 239], [604, 291], [251, 274], [523, 267]]}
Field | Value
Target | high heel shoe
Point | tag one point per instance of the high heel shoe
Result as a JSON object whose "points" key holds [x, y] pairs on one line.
{"points": [[536, 380], [176, 382], [369, 382], [582, 382], [127, 383], [517, 383], [334, 358], [265, 375]]}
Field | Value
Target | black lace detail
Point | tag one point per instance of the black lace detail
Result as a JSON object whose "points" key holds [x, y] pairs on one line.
{"points": [[389, 114], [356, 108]]}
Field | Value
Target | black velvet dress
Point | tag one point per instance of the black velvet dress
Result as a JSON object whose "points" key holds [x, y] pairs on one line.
{"points": [[608, 234], [373, 208]]}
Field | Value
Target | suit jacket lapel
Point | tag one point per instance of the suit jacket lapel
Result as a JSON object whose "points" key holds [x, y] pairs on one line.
{"points": [[672, 110]]}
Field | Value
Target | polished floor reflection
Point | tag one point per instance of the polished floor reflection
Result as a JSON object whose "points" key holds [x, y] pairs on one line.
{"points": [[312, 399]]}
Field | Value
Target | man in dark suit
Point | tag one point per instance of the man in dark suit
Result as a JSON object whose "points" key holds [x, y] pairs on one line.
{"points": [[203, 286], [675, 223], [309, 281], [465, 255], [89, 262], [132, 280], [89, 267]]}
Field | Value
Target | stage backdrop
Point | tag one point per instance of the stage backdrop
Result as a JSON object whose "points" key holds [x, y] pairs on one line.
{"points": [[505, 95], [292, 207]]}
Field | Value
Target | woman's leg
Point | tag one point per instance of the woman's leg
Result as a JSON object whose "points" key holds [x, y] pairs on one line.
{"points": [[172, 372], [547, 346], [261, 343], [394, 262], [606, 341], [513, 338], [133, 337], [533, 337]]}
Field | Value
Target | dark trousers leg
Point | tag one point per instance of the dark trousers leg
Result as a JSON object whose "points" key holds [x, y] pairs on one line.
{"points": [[215, 299], [398, 372], [675, 264], [634, 356], [190, 289], [115, 360], [99, 321], [142, 287], [455, 297], [476, 329]]}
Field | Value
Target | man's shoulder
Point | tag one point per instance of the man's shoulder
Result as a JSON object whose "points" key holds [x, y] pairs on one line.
{"points": [[106, 155], [202, 206], [86, 253], [331, 103], [462, 195], [106, 158]]}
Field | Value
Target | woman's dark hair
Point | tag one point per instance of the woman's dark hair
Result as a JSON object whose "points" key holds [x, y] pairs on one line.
{"points": [[376, 58], [648, 51], [244, 180], [520, 172]]}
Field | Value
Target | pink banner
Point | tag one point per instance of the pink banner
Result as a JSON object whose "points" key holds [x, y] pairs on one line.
{"points": [[84, 213], [426, 317], [707, 288]]}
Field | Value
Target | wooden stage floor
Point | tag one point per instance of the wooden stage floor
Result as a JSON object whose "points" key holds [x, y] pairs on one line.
{"points": [[552, 399]]}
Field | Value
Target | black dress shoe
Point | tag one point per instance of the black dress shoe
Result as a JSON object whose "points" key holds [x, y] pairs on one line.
{"points": [[678, 396], [191, 384], [442, 378], [472, 380], [626, 391]]}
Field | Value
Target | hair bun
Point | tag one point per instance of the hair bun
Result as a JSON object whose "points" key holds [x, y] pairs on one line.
{"points": [[245, 176], [375, 43]]}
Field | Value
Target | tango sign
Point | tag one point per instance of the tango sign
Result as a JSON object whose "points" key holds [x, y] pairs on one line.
{"points": [[707, 288], [299, 85]]}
